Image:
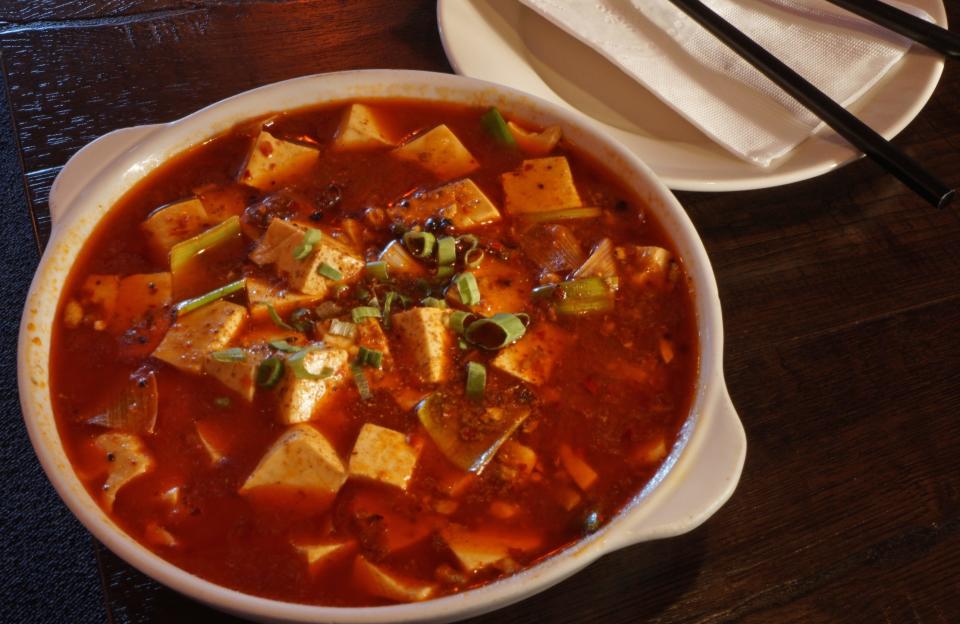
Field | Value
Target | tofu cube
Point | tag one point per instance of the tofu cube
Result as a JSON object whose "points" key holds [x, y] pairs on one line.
{"points": [[282, 239], [223, 202], [238, 376], [476, 549], [515, 461], [126, 458], [462, 202], [370, 334], [583, 475], [360, 129], [98, 298], [301, 459], [503, 286], [531, 359], [425, 338], [194, 335], [213, 440], [273, 163], [168, 225], [646, 266], [139, 295], [540, 185], [319, 554], [439, 151], [299, 399], [383, 455], [379, 582], [284, 301]]}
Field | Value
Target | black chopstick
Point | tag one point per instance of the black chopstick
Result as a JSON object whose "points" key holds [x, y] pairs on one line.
{"points": [[910, 26], [837, 117]]}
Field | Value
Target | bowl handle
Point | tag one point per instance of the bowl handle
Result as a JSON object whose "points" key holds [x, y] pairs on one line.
{"points": [[705, 477], [87, 163]]}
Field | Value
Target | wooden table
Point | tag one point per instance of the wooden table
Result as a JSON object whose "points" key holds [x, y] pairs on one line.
{"points": [[841, 297]]}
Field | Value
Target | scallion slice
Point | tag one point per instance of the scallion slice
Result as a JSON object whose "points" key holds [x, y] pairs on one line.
{"points": [[495, 332], [275, 316], [269, 372], [360, 378], [369, 357], [184, 250], [283, 345], [388, 300], [476, 380], [298, 366], [446, 256], [496, 125], [362, 313], [236, 354], [467, 289], [342, 328], [419, 244], [460, 320], [222, 402], [580, 296], [433, 302], [329, 272], [189, 305], [550, 216], [378, 270], [310, 238]]}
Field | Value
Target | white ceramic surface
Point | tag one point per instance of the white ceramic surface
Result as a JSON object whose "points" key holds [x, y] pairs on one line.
{"points": [[699, 475], [505, 42]]}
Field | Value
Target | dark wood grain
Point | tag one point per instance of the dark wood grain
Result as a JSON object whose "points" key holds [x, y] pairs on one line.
{"points": [[841, 298]]}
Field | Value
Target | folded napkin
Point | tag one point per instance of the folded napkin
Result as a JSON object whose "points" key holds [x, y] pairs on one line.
{"points": [[717, 91]]}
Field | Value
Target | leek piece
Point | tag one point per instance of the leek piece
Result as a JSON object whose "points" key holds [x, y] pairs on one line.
{"points": [[476, 380], [269, 372], [235, 354], [189, 305], [360, 378], [378, 270], [496, 125], [467, 289], [310, 238], [496, 332], [329, 272], [446, 256], [135, 408], [342, 328], [584, 212], [420, 244], [184, 250], [362, 313], [475, 451], [283, 345]]}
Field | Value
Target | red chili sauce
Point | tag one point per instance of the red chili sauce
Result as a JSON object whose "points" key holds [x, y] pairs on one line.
{"points": [[513, 397]]}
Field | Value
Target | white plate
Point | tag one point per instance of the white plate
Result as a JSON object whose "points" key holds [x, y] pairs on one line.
{"points": [[503, 41]]}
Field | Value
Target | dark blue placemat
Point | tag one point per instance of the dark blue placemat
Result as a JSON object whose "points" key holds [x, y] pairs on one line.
{"points": [[47, 567]]}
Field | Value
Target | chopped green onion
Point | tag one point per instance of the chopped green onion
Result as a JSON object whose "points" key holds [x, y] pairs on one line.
{"points": [[378, 270], [580, 296], [189, 305], [275, 316], [496, 125], [524, 318], [310, 238], [184, 250], [462, 344], [584, 212], [222, 402], [446, 256], [360, 379], [476, 380], [388, 300], [298, 366], [342, 328], [236, 354], [283, 345], [369, 357], [460, 320], [467, 289], [495, 332], [362, 313], [433, 302], [473, 255], [420, 244], [269, 372], [329, 272]]}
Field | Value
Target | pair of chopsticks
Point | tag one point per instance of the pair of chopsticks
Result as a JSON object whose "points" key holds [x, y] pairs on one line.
{"points": [[891, 158]]}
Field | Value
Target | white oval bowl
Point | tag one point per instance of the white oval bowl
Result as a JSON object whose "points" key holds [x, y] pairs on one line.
{"points": [[698, 476]]}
